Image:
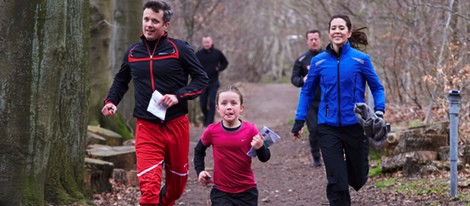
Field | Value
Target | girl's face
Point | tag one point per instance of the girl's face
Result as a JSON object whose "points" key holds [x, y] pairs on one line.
{"points": [[339, 32], [229, 107]]}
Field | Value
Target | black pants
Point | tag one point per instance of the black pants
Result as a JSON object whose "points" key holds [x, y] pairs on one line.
{"points": [[345, 153], [207, 102], [246, 198], [313, 137]]}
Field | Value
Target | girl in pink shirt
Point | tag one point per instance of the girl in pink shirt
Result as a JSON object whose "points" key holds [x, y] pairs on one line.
{"points": [[231, 139]]}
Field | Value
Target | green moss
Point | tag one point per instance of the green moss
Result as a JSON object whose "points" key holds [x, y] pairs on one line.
{"points": [[464, 196], [375, 171], [385, 183], [117, 124], [64, 183], [64, 195], [32, 193], [424, 187], [415, 123], [375, 154]]}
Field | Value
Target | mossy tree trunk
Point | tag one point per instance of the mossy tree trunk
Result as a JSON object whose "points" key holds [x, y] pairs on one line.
{"points": [[114, 26], [126, 30], [101, 23], [43, 100]]}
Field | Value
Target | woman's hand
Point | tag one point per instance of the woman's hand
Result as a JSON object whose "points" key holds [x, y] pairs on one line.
{"points": [[297, 129]]}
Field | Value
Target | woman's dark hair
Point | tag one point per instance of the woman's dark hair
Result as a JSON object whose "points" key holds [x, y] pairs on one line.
{"points": [[156, 6], [358, 38]]}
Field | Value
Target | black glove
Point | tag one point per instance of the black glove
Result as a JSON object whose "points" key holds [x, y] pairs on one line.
{"points": [[297, 127]]}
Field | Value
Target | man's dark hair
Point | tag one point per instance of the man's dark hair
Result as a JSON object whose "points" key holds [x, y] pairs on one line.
{"points": [[156, 6], [313, 31]]}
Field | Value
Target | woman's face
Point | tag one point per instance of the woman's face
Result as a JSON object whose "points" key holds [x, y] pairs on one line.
{"points": [[339, 32]]}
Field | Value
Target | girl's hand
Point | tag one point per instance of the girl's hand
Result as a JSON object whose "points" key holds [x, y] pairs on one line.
{"points": [[257, 142], [204, 178]]}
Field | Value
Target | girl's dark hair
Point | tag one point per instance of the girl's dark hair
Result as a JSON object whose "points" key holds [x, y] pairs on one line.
{"points": [[156, 6], [358, 38], [230, 88]]}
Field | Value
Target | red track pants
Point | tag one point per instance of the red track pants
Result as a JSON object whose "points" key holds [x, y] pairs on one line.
{"points": [[157, 144]]}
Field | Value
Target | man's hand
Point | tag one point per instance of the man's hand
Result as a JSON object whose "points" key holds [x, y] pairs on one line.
{"points": [[169, 100], [109, 109], [297, 129]]}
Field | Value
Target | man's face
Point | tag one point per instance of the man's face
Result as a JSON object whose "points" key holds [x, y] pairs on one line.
{"points": [[313, 41], [152, 24], [206, 42]]}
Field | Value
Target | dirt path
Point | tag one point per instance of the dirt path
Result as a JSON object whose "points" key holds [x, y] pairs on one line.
{"points": [[287, 178]]}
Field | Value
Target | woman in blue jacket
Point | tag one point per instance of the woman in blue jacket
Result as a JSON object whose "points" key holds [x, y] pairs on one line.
{"points": [[342, 73]]}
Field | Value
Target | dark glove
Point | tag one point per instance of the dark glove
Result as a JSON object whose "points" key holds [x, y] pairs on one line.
{"points": [[297, 127]]}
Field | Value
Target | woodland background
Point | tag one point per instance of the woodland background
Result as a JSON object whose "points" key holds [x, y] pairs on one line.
{"points": [[58, 58]]}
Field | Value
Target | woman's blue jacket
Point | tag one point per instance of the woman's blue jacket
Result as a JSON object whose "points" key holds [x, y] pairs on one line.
{"points": [[342, 79]]}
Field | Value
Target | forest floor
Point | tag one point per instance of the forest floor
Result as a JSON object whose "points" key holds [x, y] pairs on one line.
{"points": [[288, 178]]}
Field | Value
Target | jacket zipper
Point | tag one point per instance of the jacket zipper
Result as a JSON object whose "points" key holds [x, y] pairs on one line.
{"points": [[151, 61], [339, 88], [354, 90], [326, 111]]}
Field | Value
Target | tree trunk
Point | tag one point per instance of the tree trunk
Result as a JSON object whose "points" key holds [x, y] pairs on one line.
{"points": [[114, 26], [125, 31], [101, 14], [43, 100]]}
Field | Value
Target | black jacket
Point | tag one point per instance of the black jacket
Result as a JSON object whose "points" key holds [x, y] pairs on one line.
{"points": [[300, 70], [170, 62], [213, 61]]}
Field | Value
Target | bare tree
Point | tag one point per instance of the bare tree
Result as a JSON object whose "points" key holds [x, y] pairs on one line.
{"points": [[114, 26], [262, 38], [101, 23], [43, 101], [440, 59]]}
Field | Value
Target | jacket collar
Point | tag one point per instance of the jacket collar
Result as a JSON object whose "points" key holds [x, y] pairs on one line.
{"points": [[164, 36], [346, 47], [210, 49], [313, 53]]}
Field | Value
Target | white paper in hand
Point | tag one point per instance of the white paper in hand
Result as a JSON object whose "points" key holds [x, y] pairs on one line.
{"points": [[270, 137], [155, 107]]}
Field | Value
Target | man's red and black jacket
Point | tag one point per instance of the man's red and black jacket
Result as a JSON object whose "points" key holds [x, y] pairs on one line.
{"points": [[164, 65]]}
